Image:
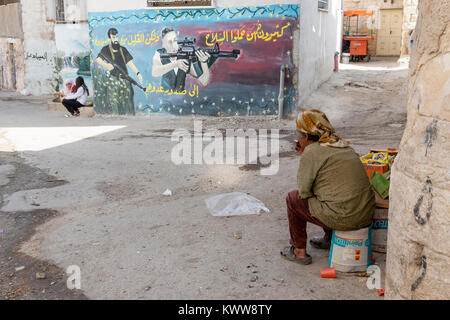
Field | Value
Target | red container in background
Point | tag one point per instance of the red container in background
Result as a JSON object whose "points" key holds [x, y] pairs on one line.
{"points": [[358, 47]]}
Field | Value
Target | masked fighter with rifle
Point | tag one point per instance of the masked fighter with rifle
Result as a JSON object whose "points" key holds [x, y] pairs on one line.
{"points": [[177, 59], [117, 90]]}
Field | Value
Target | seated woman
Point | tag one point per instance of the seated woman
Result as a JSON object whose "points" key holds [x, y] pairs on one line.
{"points": [[73, 101], [333, 188]]}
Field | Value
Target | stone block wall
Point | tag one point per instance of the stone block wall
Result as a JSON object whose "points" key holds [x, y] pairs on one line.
{"points": [[12, 64], [418, 256], [11, 47]]}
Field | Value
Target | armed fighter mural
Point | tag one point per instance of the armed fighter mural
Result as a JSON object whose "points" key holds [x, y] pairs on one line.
{"points": [[222, 61]]}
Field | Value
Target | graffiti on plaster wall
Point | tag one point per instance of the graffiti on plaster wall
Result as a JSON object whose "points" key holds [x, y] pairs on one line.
{"points": [[223, 61], [431, 135], [73, 52], [419, 280], [40, 67], [36, 56], [425, 202]]}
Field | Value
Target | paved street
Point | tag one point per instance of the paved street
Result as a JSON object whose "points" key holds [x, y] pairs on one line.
{"points": [[91, 196]]}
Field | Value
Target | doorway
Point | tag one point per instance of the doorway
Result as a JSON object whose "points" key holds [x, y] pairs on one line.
{"points": [[389, 37]]}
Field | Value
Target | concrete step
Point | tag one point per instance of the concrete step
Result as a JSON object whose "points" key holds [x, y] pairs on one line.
{"points": [[86, 111]]}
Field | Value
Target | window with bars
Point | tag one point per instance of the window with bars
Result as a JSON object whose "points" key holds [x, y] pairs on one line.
{"points": [[323, 5], [176, 3], [60, 12]]}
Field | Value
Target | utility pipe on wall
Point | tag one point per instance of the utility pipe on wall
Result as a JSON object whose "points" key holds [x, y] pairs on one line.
{"points": [[281, 95]]}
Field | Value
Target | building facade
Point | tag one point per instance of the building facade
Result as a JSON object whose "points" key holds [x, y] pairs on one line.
{"points": [[45, 42], [36, 45], [392, 23]]}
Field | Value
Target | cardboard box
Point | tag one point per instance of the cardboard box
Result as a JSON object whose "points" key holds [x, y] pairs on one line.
{"points": [[370, 168], [380, 230]]}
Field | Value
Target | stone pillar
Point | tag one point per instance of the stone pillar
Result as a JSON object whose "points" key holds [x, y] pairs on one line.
{"points": [[418, 257]]}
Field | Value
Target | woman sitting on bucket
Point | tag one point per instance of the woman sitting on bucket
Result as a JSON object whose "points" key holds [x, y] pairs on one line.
{"points": [[333, 188], [76, 100]]}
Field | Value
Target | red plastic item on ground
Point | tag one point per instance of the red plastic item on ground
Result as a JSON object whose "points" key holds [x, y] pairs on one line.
{"points": [[381, 292], [328, 273]]}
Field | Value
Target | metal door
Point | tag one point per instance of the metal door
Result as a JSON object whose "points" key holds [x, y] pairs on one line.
{"points": [[389, 36]]}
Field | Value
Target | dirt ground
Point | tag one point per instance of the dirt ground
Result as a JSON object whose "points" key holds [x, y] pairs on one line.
{"points": [[88, 192]]}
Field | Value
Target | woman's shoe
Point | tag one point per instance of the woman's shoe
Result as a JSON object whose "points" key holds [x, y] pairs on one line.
{"points": [[288, 253], [321, 243]]}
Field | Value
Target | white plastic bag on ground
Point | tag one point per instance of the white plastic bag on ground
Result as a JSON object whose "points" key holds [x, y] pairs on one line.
{"points": [[234, 204]]}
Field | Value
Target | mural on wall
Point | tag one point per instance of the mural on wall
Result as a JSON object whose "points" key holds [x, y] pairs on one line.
{"points": [[73, 53], [222, 61]]}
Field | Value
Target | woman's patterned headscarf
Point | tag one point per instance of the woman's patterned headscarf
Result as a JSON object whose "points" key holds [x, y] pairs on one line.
{"points": [[315, 122]]}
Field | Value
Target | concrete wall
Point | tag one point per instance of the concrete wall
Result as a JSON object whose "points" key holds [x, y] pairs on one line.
{"points": [[246, 84], [320, 36], [418, 257], [376, 6], [11, 34], [11, 21], [30, 27], [12, 62], [39, 48]]}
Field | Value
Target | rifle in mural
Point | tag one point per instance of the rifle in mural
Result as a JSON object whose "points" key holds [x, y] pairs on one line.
{"points": [[123, 74], [187, 52]]}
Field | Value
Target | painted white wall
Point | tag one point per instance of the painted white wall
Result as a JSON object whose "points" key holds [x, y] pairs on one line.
{"points": [[320, 35], [39, 41], [320, 38]]}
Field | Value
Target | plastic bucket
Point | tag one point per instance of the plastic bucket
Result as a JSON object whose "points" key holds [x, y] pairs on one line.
{"points": [[380, 230], [345, 58], [351, 250]]}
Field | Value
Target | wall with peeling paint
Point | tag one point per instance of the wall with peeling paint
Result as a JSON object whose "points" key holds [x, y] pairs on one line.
{"points": [[12, 68], [418, 257], [31, 57], [39, 48]]}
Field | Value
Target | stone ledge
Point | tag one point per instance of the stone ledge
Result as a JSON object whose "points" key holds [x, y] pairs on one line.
{"points": [[87, 111]]}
